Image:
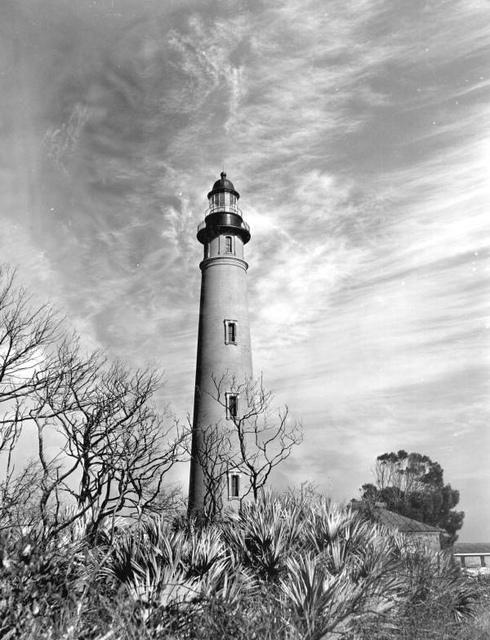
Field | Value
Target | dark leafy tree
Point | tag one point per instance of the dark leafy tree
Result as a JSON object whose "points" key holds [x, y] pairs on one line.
{"points": [[412, 485]]}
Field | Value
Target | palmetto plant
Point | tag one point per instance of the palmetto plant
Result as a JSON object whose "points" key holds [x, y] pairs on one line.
{"points": [[436, 588], [201, 550], [317, 600], [264, 535], [329, 591], [161, 567]]}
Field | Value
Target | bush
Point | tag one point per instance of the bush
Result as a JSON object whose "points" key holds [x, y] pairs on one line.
{"points": [[40, 584]]}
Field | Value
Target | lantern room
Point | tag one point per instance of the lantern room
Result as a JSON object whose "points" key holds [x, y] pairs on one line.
{"points": [[223, 215], [223, 196]]}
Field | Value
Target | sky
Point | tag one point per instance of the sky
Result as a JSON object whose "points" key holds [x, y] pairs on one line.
{"points": [[357, 133]]}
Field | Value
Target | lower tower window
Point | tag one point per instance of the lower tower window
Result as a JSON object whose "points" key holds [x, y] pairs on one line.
{"points": [[234, 486], [231, 405]]}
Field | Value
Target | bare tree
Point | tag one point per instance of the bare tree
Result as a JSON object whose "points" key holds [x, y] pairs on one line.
{"points": [[116, 448], [20, 495], [214, 455], [27, 336], [112, 447], [257, 437]]}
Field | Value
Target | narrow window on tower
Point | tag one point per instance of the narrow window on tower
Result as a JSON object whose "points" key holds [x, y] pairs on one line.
{"points": [[228, 244], [234, 488], [230, 331], [231, 405]]}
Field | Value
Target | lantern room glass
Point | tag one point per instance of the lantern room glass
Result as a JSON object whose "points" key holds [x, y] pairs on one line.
{"points": [[223, 201]]}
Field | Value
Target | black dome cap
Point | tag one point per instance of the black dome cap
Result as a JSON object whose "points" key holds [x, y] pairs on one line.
{"points": [[223, 184]]}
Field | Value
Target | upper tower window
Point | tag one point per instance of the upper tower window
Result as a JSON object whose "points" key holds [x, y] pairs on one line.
{"points": [[228, 244], [230, 331]]}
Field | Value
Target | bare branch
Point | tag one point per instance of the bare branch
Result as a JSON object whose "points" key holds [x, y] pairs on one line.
{"points": [[259, 438]]}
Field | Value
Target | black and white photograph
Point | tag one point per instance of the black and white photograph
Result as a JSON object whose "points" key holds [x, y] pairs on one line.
{"points": [[244, 319]]}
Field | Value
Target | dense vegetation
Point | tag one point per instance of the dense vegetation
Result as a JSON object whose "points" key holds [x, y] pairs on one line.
{"points": [[287, 567], [412, 485]]}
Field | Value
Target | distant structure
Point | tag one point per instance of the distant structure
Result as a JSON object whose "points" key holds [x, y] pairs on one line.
{"points": [[472, 554], [224, 355], [411, 529]]}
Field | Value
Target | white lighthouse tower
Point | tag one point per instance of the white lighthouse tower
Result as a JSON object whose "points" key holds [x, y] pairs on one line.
{"points": [[224, 353]]}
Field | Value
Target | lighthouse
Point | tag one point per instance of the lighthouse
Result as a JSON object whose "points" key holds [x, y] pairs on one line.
{"points": [[224, 356]]}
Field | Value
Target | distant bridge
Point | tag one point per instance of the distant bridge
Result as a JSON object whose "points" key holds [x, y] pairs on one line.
{"points": [[466, 550]]}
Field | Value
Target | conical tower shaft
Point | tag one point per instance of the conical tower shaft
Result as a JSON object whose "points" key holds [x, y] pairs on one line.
{"points": [[224, 355]]}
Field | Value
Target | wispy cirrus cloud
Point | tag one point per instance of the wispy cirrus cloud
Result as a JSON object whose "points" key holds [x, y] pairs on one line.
{"points": [[356, 133]]}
